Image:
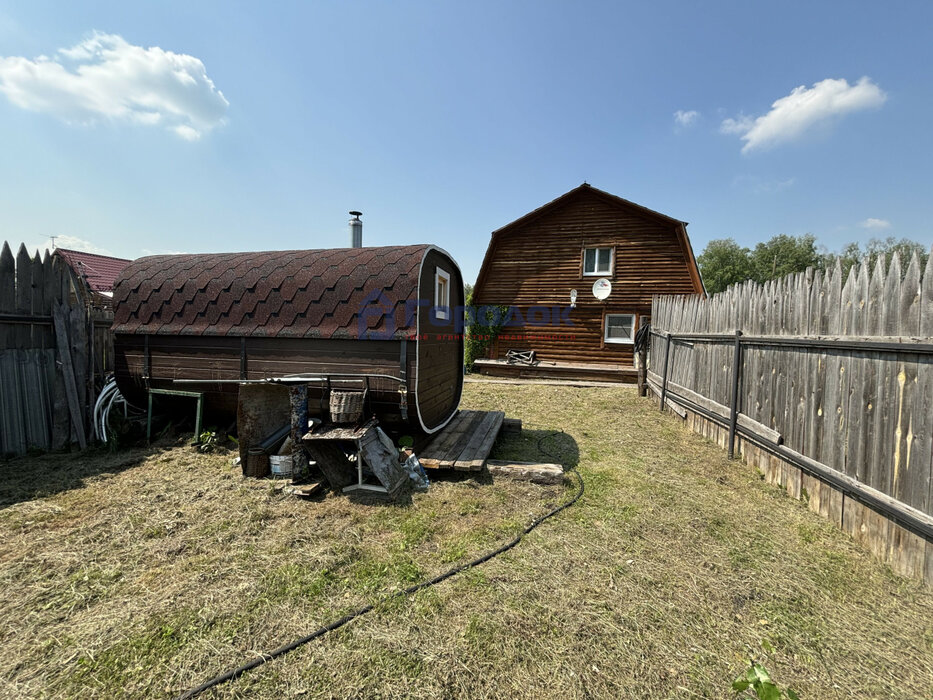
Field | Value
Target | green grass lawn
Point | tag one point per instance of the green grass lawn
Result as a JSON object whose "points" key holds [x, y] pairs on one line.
{"points": [[143, 573]]}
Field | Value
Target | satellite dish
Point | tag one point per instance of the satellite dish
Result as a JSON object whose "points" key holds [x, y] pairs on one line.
{"points": [[602, 288]]}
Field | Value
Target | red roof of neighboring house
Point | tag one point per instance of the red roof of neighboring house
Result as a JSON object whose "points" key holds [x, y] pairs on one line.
{"points": [[289, 293], [100, 272]]}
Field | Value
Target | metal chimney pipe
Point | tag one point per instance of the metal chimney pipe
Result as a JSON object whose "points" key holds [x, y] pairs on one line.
{"points": [[356, 230]]}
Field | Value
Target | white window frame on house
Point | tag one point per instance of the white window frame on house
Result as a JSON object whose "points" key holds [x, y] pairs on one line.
{"points": [[442, 294], [596, 271], [623, 341]]}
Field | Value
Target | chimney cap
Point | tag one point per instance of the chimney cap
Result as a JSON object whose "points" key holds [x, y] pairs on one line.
{"points": [[356, 213]]}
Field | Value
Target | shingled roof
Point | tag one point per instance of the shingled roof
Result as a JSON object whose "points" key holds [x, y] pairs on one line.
{"points": [[98, 271], [291, 293]]}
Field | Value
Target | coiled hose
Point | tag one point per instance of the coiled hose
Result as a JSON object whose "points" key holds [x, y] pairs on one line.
{"points": [[235, 673]]}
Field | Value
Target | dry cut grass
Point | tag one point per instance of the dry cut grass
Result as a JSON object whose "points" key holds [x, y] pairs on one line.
{"points": [[143, 573]]}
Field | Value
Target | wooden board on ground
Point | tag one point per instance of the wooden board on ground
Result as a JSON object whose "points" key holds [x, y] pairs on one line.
{"points": [[535, 472], [465, 443], [305, 490]]}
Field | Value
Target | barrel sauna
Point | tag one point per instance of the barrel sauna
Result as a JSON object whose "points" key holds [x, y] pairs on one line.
{"points": [[392, 310]]}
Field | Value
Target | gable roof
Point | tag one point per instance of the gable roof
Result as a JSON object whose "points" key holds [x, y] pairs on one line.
{"points": [[289, 293], [99, 272], [680, 227], [586, 187]]}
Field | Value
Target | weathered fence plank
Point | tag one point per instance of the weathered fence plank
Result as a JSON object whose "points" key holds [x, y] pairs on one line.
{"points": [[859, 396], [7, 294], [56, 292], [31, 286], [23, 296], [909, 484], [60, 319], [863, 408]]}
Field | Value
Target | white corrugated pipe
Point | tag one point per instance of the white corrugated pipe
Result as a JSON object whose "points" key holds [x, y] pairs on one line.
{"points": [[109, 395]]}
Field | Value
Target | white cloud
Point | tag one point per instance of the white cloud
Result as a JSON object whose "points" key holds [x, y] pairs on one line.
{"points": [[105, 78], [685, 118], [187, 132], [164, 251], [875, 223], [737, 126], [791, 116], [69, 242]]}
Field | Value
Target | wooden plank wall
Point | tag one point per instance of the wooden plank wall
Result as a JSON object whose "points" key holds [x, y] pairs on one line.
{"points": [[440, 347], [219, 357], [536, 264], [34, 400], [867, 414]]}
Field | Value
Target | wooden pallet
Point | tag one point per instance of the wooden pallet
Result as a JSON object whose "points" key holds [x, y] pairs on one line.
{"points": [[464, 443]]}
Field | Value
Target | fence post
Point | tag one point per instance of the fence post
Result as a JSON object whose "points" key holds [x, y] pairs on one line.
{"points": [[667, 361], [643, 370], [736, 376]]}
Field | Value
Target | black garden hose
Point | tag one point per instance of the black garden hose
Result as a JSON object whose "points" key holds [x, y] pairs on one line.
{"points": [[642, 338], [235, 673]]}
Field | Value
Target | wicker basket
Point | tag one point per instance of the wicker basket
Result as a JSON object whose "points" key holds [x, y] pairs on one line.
{"points": [[346, 406], [257, 464]]}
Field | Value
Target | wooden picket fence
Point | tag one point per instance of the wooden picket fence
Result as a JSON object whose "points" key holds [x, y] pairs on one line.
{"points": [[54, 352], [824, 383]]}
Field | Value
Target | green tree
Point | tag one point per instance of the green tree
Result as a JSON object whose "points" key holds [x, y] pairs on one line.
{"points": [[723, 263], [784, 255], [854, 253]]}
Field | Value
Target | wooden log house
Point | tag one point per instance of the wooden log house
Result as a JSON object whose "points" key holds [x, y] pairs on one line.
{"points": [[535, 263]]}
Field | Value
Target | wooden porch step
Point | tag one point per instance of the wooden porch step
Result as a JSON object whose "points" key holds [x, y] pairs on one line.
{"points": [[465, 442], [558, 370]]}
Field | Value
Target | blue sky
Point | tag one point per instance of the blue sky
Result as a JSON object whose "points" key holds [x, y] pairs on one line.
{"points": [[138, 128]]}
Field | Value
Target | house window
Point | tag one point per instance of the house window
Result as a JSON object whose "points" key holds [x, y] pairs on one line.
{"points": [[597, 261], [620, 328], [442, 294]]}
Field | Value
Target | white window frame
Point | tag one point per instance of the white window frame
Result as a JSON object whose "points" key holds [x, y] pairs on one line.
{"points": [[621, 341], [441, 306], [596, 272]]}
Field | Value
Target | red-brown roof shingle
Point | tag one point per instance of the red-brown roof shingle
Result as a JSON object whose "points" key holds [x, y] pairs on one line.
{"points": [[291, 293]]}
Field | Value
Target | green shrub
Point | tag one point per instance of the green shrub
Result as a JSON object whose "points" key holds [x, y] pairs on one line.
{"points": [[479, 336]]}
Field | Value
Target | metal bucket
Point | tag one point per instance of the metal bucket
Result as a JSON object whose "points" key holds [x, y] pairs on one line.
{"points": [[281, 465]]}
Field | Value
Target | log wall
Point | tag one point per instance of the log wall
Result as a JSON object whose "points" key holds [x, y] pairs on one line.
{"points": [[537, 261]]}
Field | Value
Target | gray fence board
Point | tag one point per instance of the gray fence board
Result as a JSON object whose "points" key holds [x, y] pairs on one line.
{"points": [[33, 398], [866, 413]]}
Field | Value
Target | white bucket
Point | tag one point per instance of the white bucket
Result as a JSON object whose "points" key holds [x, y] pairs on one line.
{"points": [[281, 465]]}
